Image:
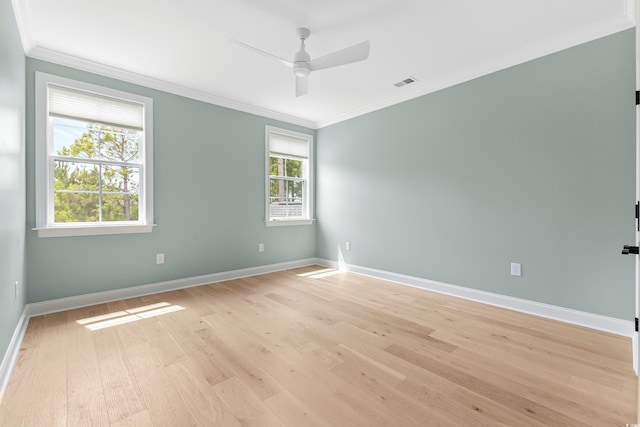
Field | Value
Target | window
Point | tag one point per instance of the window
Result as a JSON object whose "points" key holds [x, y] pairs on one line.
{"points": [[289, 187], [93, 159]]}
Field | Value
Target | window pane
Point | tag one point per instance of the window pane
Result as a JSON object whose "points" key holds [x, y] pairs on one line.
{"points": [[119, 207], [76, 197], [120, 189], [120, 179], [275, 165], [280, 166], [121, 145], [65, 132], [71, 176], [93, 193], [285, 198], [76, 207], [293, 168], [75, 138]]}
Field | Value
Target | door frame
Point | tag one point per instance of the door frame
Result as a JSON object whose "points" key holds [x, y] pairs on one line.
{"points": [[635, 340]]}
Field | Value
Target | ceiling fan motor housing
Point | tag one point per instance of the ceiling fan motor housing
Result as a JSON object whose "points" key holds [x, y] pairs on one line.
{"points": [[301, 67]]}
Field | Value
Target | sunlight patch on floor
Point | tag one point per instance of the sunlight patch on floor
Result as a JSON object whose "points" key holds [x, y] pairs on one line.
{"points": [[319, 274], [126, 316]]}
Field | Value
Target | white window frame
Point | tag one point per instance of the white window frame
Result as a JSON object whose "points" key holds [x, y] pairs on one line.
{"points": [[308, 192], [45, 225]]}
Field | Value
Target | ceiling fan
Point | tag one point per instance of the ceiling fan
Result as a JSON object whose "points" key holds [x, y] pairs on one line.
{"points": [[303, 65]]}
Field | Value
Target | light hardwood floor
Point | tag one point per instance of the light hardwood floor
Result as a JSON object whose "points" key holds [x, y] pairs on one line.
{"points": [[309, 347]]}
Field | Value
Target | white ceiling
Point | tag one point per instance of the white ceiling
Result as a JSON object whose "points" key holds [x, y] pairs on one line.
{"points": [[183, 46]]}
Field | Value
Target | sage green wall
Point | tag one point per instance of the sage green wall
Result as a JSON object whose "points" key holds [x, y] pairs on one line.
{"points": [[12, 171], [533, 164], [208, 195]]}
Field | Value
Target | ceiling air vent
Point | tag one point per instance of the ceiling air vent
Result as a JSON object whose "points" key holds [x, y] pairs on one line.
{"points": [[406, 81]]}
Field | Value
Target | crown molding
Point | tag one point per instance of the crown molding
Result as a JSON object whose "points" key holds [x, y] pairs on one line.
{"points": [[21, 12], [534, 51], [630, 9], [583, 35], [82, 64]]}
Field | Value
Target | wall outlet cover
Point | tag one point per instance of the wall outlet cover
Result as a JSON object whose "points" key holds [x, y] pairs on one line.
{"points": [[516, 269]]}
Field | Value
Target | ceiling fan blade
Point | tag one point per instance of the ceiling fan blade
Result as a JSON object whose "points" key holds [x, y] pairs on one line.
{"points": [[262, 52], [302, 85], [355, 53]]}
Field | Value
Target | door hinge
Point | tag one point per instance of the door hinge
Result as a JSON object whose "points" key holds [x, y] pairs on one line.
{"points": [[638, 97], [638, 216], [636, 324]]}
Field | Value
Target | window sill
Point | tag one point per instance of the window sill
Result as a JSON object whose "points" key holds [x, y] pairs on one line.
{"points": [[283, 222], [71, 231]]}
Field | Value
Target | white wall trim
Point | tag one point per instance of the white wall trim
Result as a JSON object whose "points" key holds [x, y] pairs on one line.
{"points": [[567, 315], [589, 320], [44, 54], [62, 304], [11, 354], [594, 321], [534, 51], [580, 36], [21, 12], [630, 10]]}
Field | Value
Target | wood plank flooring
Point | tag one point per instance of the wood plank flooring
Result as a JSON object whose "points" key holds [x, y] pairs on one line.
{"points": [[314, 347]]}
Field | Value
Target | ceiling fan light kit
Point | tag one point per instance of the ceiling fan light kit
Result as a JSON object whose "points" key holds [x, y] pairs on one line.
{"points": [[303, 65]]}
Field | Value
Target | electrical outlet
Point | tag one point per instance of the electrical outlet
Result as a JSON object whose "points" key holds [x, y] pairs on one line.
{"points": [[347, 246], [260, 247], [159, 258], [516, 269]]}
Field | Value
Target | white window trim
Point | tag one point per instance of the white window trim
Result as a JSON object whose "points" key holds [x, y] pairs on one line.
{"points": [[281, 222], [277, 222], [44, 201]]}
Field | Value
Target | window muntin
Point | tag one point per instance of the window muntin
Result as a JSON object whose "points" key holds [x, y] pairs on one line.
{"points": [[289, 189], [93, 159], [96, 172]]}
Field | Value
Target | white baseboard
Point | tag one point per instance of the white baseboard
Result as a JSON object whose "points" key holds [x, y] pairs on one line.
{"points": [[589, 320], [594, 321], [11, 355], [63, 304], [567, 315]]}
